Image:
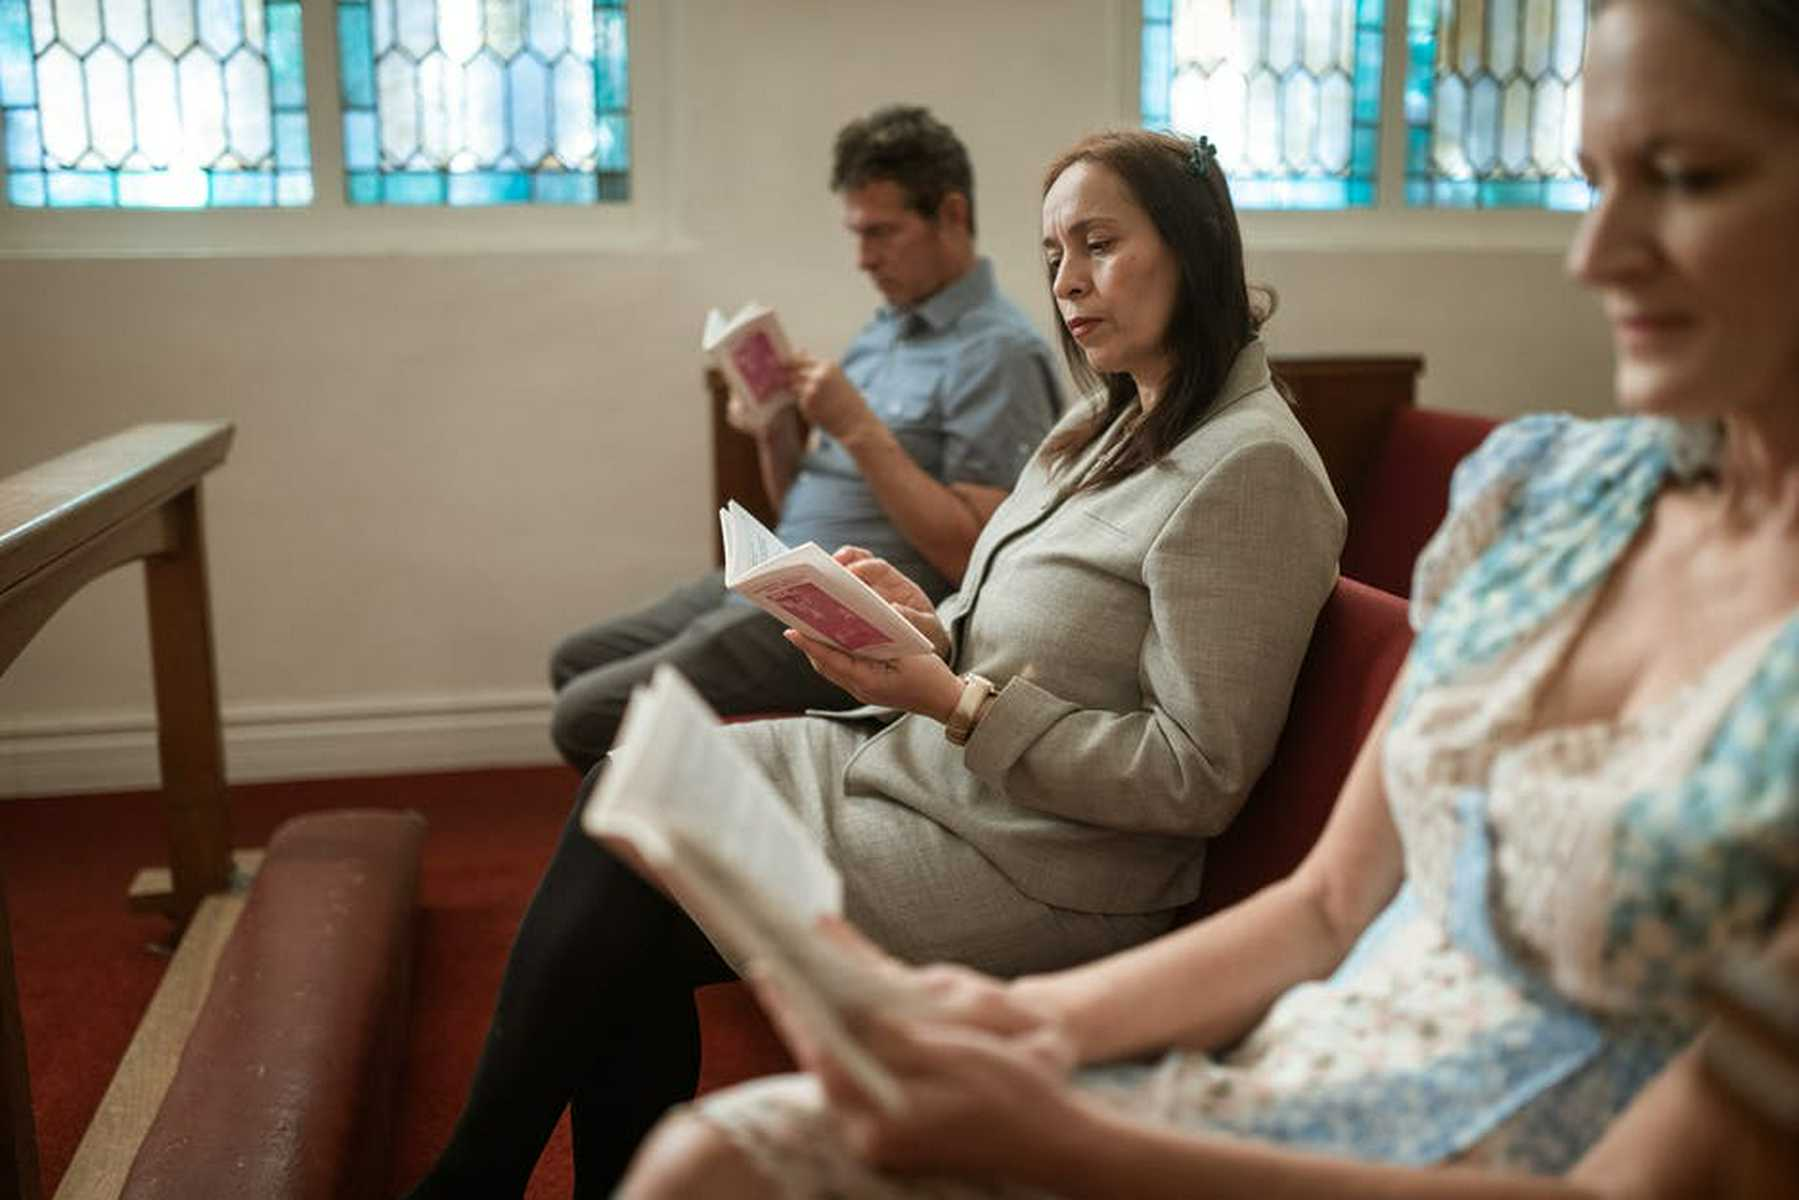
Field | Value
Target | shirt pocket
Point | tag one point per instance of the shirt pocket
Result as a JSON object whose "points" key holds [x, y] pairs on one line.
{"points": [[906, 405]]}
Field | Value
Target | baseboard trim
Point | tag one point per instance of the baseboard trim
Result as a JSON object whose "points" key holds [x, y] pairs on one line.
{"points": [[117, 752]]}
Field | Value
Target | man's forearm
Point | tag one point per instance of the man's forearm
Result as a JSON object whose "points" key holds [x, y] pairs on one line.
{"points": [[778, 453], [938, 523]]}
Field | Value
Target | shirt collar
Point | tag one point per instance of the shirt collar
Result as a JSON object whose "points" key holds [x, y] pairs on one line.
{"points": [[940, 310]]}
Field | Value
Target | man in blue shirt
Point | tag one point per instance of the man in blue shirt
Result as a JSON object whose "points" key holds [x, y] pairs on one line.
{"points": [[918, 432]]}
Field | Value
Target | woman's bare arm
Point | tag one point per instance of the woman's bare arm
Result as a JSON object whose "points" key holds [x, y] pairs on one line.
{"points": [[1207, 984]]}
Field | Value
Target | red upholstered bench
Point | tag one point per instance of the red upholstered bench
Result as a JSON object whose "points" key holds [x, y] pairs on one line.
{"points": [[286, 1088], [1357, 647], [1404, 494]]}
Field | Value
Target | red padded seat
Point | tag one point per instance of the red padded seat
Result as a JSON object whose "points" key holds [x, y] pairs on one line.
{"points": [[1405, 493]]}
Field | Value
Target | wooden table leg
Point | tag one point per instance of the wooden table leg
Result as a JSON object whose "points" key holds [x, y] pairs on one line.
{"points": [[18, 1133], [196, 805]]}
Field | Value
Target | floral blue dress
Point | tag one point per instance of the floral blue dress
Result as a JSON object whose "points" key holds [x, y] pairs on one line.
{"points": [[1564, 884]]}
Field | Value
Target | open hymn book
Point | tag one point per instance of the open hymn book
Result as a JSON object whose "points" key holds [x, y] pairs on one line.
{"points": [[805, 588], [710, 826], [751, 350]]}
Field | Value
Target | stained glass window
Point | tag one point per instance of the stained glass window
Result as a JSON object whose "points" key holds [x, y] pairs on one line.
{"points": [[1288, 90], [469, 102], [154, 103], [1492, 103]]}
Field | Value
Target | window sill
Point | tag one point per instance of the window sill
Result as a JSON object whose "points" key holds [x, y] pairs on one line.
{"points": [[1388, 230], [338, 231]]}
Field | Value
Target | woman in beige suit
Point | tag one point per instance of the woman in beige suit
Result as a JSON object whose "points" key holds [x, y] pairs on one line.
{"points": [[1110, 681]]}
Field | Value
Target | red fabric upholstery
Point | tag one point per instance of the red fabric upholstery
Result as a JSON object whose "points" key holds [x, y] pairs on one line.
{"points": [[737, 1042], [1357, 647], [1405, 493]]}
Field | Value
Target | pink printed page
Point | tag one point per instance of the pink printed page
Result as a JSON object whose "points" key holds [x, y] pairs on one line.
{"points": [[755, 359], [815, 606]]}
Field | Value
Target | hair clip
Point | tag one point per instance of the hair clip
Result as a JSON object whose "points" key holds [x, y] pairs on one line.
{"points": [[1201, 153]]}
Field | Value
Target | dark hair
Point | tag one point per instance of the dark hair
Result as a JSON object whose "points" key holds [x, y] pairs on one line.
{"points": [[906, 145], [1185, 194], [1765, 30]]}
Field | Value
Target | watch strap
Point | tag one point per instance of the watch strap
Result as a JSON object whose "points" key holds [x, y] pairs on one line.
{"points": [[976, 692]]}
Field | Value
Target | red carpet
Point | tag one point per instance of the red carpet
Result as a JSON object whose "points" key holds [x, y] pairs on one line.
{"points": [[86, 974]]}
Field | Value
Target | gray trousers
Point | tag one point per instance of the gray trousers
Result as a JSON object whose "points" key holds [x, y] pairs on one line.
{"points": [[733, 654]]}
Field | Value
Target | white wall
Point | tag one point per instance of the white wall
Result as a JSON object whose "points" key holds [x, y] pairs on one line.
{"points": [[444, 460]]}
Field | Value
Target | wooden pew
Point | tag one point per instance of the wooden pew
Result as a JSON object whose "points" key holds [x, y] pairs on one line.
{"points": [[268, 1061], [131, 497], [1346, 405]]}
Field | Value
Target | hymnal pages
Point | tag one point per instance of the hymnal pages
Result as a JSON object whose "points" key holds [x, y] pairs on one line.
{"points": [[752, 351], [710, 826], [805, 588]]}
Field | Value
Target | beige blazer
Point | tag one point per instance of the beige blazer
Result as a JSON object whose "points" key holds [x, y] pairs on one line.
{"points": [[1145, 639]]}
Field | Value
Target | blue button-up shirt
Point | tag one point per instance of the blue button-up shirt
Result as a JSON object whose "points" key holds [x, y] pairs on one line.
{"points": [[968, 388]]}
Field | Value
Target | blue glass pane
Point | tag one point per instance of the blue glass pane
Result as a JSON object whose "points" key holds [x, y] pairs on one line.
{"points": [[614, 187], [1417, 152], [1490, 109], [24, 144], [1290, 92], [1315, 193], [120, 105], [293, 189], [564, 187], [611, 64], [490, 187], [414, 187], [1568, 195], [363, 187], [17, 88], [286, 65], [360, 140], [1510, 193], [530, 123], [238, 190], [81, 189], [292, 148], [614, 137], [1367, 83], [482, 97], [356, 62], [1420, 77], [1364, 158], [26, 190], [1456, 193], [1157, 75]]}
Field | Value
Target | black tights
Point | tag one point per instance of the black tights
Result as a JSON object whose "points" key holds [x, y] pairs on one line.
{"points": [[595, 1011]]}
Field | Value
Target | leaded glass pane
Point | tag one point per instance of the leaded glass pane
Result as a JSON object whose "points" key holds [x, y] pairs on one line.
{"points": [[1288, 90], [1493, 103], [154, 103], [476, 102]]}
